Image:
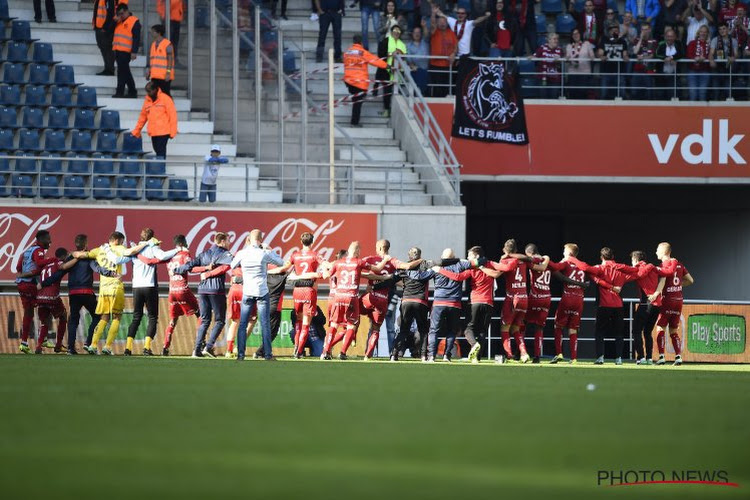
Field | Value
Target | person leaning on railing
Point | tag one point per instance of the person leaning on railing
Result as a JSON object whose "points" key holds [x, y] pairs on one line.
{"points": [[699, 71], [642, 79], [549, 67], [723, 52], [418, 46], [444, 44], [578, 54], [669, 50], [613, 53]]}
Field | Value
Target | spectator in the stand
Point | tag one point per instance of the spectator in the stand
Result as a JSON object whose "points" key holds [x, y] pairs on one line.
{"points": [[699, 74], [395, 46], [283, 9], [550, 76], [724, 50], [738, 28], [479, 45], [369, 9], [211, 174], [159, 111], [670, 50], [645, 11], [609, 21], [125, 43], [463, 28], [161, 60], [329, 14], [523, 10], [443, 44], [628, 29], [728, 11], [49, 6], [104, 30], [176, 15], [425, 11], [406, 11], [589, 24], [642, 80], [389, 18], [696, 16], [418, 46], [613, 53], [501, 32], [579, 54], [671, 16]]}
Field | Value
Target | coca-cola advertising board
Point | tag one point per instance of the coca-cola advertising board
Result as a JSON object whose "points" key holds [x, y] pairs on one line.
{"points": [[332, 230]]}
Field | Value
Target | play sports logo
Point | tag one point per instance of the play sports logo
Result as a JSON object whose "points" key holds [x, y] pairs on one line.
{"points": [[621, 477], [700, 148]]}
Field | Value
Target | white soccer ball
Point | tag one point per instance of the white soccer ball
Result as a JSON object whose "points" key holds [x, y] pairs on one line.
{"points": [[590, 387]]}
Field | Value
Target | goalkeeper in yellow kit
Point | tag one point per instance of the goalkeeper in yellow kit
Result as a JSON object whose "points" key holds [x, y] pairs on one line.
{"points": [[111, 301]]}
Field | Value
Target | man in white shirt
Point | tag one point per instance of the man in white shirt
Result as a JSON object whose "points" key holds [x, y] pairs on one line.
{"points": [[254, 260], [463, 28]]}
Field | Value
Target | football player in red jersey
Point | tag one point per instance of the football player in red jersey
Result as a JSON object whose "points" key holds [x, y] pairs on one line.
{"points": [[31, 263], [374, 302], [305, 294], [234, 306], [677, 277], [647, 313], [181, 300], [48, 299], [570, 308]]}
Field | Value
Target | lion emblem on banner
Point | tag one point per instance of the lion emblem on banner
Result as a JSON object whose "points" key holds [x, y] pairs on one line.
{"points": [[486, 96]]}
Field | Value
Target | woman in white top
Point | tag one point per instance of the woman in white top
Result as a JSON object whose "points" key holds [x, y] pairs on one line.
{"points": [[578, 56]]}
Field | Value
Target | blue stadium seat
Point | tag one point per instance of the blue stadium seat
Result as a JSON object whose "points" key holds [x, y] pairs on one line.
{"points": [[178, 190], [132, 144], [33, 118], [102, 187], [35, 95], [14, 74], [84, 119], [78, 164], [155, 189], [64, 75], [22, 185], [86, 98], [106, 167], [18, 52], [8, 117], [43, 53], [541, 23], [6, 139], [4, 165], [25, 165], [39, 74], [52, 164], [20, 31], [109, 120], [156, 168], [4, 13], [10, 95], [552, 6], [28, 139], [58, 118], [62, 97], [80, 141], [132, 167], [4, 188], [74, 187], [106, 142], [54, 141], [127, 188], [49, 186], [564, 24]]}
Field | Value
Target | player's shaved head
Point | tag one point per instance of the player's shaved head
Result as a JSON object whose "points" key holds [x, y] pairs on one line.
{"points": [[666, 247], [383, 245], [81, 240], [606, 253], [117, 237], [572, 248], [353, 249], [415, 253], [531, 249], [477, 250], [307, 239], [448, 254], [180, 240], [510, 246], [255, 236]]}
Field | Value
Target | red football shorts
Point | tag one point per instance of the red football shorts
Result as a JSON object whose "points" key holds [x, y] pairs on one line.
{"points": [[47, 308], [182, 304], [345, 310], [569, 311], [305, 302], [27, 291], [374, 306], [514, 310], [538, 311], [234, 302], [669, 314]]}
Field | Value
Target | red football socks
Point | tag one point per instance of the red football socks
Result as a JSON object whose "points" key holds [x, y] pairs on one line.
{"points": [[506, 344], [28, 317], [660, 342], [350, 334], [520, 342], [372, 342], [573, 346], [304, 332], [676, 343], [168, 338], [558, 340]]}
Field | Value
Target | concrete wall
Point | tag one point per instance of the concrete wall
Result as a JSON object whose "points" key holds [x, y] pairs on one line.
{"points": [[430, 228]]}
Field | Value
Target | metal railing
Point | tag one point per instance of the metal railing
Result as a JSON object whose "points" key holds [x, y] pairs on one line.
{"points": [[625, 81]]}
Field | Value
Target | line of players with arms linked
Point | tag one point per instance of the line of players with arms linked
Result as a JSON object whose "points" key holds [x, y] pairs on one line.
{"points": [[259, 276]]}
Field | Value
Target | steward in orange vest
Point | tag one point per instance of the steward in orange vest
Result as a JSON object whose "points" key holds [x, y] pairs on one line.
{"points": [[161, 60], [176, 15], [125, 43], [356, 74], [159, 111], [104, 29]]}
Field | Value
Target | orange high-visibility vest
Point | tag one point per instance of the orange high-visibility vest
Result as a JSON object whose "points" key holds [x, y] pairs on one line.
{"points": [[101, 14], [123, 40], [356, 59], [159, 60], [161, 115], [176, 10]]}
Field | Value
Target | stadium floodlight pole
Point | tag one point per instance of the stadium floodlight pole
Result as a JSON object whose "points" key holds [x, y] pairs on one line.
{"points": [[258, 81], [212, 58], [191, 42], [280, 91], [235, 72], [331, 153]]}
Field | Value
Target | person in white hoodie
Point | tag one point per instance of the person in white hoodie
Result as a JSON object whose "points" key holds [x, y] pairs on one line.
{"points": [[210, 174]]}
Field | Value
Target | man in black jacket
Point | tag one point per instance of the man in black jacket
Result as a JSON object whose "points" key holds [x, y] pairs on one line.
{"points": [[104, 30], [670, 50]]}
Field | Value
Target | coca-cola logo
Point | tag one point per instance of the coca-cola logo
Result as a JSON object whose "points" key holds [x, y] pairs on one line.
{"points": [[11, 252]]}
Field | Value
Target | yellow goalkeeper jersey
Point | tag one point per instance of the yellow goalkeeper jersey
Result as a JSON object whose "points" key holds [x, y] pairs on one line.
{"points": [[107, 285]]}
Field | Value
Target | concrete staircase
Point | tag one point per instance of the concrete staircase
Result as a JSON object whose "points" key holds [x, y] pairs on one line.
{"points": [[74, 43]]}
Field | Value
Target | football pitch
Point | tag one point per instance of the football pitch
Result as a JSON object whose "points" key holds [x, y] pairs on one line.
{"points": [[99, 427]]}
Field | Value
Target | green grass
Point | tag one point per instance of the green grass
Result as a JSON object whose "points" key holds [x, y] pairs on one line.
{"points": [[96, 427]]}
